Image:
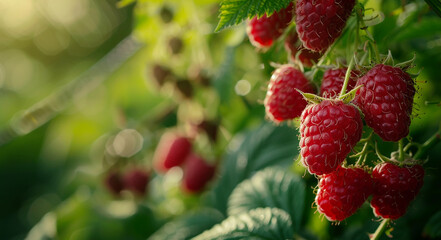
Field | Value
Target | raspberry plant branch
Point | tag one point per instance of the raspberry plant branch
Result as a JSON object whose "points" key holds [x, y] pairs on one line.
{"points": [[348, 74], [380, 230], [362, 25]]}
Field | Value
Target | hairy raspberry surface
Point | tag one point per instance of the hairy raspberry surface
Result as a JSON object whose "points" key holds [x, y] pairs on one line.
{"points": [[342, 192], [300, 53], [197, 173], [320, 22], [333, 82], [395, 188], [283, 101], [328, 132], [263, 31], [171, 151], [386, 99]]}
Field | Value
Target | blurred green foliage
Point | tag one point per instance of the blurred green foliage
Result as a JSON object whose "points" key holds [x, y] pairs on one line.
{"points": [[52, 177]]}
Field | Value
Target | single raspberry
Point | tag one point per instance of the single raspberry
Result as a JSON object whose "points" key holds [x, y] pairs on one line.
{"points": [[333, 82], [185, 88], [197, 173], [342, 192], [395, 188], [296, 51], [386, 99], [114, 183], [263, 31], [171, 151], [320, 22], [175, 45], [136, 180], [166, 14], [161, 74], [282, 101], [328, 132]]}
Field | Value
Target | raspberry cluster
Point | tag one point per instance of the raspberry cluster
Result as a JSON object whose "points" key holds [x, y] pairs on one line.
{"points": [[176, 150], [135, 180], [332, 125]]}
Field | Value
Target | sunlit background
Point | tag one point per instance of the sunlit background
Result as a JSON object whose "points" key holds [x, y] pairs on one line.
{"points": [[78, 96]]}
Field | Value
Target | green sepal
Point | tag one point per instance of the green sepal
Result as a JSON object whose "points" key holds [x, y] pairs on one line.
{"points": [[407, 64], [389, 60], [348, 97], [311, 98]]}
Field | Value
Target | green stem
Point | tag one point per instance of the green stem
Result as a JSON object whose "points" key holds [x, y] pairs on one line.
{"points": [[372, 42], [401, 150], [380, 230], [363, 153], [432, 141], [348, 74]]}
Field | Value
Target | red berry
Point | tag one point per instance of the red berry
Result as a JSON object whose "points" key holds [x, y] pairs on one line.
{"points": [[333, 82], [265, 30], [197, 173], [320, 22], [136, 180], [386, 99], [395, 188], [171, 151], [342, 192], [328, 132], [114, 183], [296, 50], [282, 101]]}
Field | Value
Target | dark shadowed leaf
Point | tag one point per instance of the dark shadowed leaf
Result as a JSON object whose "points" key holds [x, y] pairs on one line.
{"points": [[260, 223], [268, 145], [271, 187], [189, 225]]}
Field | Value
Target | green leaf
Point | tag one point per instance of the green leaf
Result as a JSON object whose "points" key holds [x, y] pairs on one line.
{"points": [[271, 187], [233, 12], [426, 28], [260, 223], [269, 145], [435, 5], [189, 225], [433, 227]]}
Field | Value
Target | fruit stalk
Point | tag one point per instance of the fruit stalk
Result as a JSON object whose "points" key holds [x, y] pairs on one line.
{"points": [[362, 25], [348, 74], [380, 230], [401, 150]]}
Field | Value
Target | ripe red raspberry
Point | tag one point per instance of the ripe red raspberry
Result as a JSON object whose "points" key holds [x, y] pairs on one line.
{"points": [[295, 48], [320, 22], [282, 101], [328, 132], [171, 151], [265, 30], [386, 99], [342, 192], [114, 183], [333, 82], [136, 180], [395, 188], [197, 173]]}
